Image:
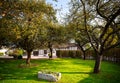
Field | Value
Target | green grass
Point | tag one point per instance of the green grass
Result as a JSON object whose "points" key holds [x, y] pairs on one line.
{"points": [[73, 71]]}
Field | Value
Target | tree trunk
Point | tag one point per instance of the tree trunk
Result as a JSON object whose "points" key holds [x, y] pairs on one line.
{"points": [[28, 57], [51, 54], [50, 47], [0, 46], [83, 51], [97, 63], [84, 57]]}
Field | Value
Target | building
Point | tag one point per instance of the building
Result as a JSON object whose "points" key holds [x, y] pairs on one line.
{"points": [[69, 46], [45, 52]]}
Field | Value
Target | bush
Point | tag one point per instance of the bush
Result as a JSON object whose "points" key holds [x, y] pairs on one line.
{"points": [[111, 55], [58, 53], [1, 53], [65, 53], [16, 53], [19, 57], [72, 54], [78, 54], [68, 53]]}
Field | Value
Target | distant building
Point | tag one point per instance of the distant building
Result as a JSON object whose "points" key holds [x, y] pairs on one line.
{"points": [[69, 46], [45, 52]]}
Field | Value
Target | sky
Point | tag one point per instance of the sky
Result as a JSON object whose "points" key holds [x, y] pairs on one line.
{"points": [[62, 6]]}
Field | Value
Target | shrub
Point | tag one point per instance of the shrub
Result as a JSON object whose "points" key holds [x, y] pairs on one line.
{"points": [[72, 53], [111, 55], [65, 53], [78, 54], [68, 53], [62, 53], [1, 53], [58, 53], [16, 53]]}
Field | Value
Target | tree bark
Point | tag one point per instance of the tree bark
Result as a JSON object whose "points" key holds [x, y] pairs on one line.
{"points": [[51, 54], [28, 57], [51, 50], [84, 56], [83, 51], [97, 63]]}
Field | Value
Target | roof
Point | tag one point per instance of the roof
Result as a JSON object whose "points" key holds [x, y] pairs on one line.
{"points": [[68, 45]]}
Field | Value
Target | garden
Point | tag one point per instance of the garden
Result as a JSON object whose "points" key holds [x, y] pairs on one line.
{"points": [[72, 71], [93, 26]]}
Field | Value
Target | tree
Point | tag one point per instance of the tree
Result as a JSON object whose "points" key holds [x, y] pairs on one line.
{"points": [[55, 35], [105, 34], [28, 20], [76, 23], [107, 38], [79, 35], [110, 32], [4, 30], [83, 43]]}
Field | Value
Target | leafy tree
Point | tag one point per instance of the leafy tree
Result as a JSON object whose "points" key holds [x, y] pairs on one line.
{"points": [[76, 23], [109, 32], [28, 19], [55, 36], [102, 35], [80, 37]]}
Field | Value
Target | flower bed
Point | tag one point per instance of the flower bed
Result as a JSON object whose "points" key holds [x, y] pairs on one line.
{"points": [[50, 76]]}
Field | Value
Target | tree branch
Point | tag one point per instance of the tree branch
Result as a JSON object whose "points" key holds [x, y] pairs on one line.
{"points": [[98, 11], [113, 16]]}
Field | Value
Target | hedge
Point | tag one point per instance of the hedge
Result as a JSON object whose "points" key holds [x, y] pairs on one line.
{"points": [[111, 55], [69, 53]]}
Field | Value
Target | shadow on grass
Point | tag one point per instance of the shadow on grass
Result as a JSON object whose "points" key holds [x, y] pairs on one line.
{"points": [[102, 77], [26, 77], [70, 68], [10, 70], [76, 72]]}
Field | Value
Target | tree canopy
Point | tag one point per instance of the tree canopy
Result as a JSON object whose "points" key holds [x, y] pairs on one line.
{"points": [[99, 20], [27, 20]]}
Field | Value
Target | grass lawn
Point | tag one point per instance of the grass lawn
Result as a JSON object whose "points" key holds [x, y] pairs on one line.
{"points": [[73, 71]]}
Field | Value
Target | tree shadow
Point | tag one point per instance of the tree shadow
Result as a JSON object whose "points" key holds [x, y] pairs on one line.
{"points": [[76, 72], [9, 70], [26, 77], [102, 77]]}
